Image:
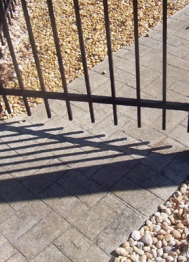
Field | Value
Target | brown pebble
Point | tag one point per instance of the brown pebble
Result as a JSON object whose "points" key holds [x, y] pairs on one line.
{"points": [[160, 237], [159, 244], [180, 213], [164, 226], [104, 72], [164, 255], [168, 237], [164, 242], [146, 228], [185, 222], [161, 232], [179, 226], [125, 245], [171, 218], [154, 240], [176, 234], [183, 190], [121, 251], [173, 254], [148, 255], [151, 228]]}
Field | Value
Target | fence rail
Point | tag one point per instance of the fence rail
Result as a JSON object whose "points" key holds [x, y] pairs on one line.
{"points": [[88, 98]]}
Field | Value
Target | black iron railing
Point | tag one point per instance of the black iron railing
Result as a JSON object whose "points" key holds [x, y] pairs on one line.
{"points": [[89, 98], [8, 9]]}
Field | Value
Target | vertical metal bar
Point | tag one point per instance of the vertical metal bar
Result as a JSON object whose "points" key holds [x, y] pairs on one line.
{"points": [[84, 60], [137, 59], [13, 56], [110, 58], [12, 4], [34, 50], [10, 9], [60, 62], [1, 37], [6, 11], [5, 99], [188, 124], [164, 61]]}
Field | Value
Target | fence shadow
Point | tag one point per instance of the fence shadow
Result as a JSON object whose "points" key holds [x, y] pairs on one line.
{"points": [[33, 159]]}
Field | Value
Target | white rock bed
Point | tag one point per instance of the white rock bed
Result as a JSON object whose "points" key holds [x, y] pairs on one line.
{"points": [[164, 237]]}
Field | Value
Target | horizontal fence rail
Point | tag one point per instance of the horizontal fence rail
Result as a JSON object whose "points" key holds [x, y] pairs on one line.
{"points": [[6, 6]]}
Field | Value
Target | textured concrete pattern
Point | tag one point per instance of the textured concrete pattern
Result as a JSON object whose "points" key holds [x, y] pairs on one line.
{"points": [[74, 191]]}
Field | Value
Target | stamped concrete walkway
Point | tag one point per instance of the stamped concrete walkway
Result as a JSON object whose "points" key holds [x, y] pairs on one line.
{"points": [[74, 191]]}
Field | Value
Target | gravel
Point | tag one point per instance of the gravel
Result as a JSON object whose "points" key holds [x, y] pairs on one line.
{"points": [[164, 237], [121, 19]]}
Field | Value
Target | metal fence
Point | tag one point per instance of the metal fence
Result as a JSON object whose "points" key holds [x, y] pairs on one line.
{"points": [[88, 98], [8, 10]]}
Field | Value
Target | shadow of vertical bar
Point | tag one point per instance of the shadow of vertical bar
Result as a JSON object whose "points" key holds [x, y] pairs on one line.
{"points": [[137, 62], [164, 61], [60, 62], [83, 54]]}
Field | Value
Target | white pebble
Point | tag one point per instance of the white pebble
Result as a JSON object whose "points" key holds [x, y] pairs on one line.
{"points": [[168, 204], [146, 249], [147, 239], [166, 219], [184, 185], [177, 193], [159, 219], [164, 215], [162, 207], [136, 235], [142, 231], [135, 257], [158, 259], [170, 258], [168, 211], [183, 190], [181, 258], [156, 228], [160, 252], [132, 242], [121, 251], [148, 223], [171, 243], [154, 253], [159, 244], [140, 245], [140, 252], [167, 249], [142, 258], [153, 219]]}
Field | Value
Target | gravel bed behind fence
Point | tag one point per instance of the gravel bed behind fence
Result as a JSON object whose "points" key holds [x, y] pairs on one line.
{"points": [[92, 16]]}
